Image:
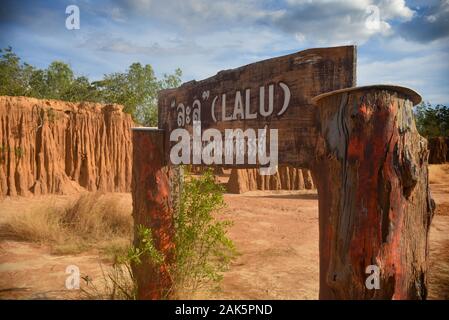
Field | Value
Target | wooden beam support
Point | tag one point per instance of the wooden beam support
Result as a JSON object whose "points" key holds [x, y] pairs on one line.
{"points": [[152, 208], [374, 201]]}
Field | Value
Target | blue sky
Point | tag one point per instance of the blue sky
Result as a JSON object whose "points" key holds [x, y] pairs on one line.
{"points": [[408, 45]]}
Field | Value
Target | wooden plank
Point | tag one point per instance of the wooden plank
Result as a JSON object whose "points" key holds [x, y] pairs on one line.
{"points": [[290, 82]]}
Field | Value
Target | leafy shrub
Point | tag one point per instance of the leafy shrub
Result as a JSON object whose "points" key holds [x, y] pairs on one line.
{"points": [[202, 249]]}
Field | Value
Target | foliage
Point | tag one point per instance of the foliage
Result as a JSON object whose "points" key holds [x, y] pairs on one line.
{"points": [[202, 249], [144, 248], [432, 121], [136, 88], [14, 76]]}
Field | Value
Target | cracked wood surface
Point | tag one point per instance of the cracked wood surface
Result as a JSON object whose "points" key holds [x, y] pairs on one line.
{"points": [[374, 201]]}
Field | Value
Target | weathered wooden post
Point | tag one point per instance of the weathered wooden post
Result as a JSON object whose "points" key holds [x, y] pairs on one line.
{"points": [[374, 202], [153, 209]]}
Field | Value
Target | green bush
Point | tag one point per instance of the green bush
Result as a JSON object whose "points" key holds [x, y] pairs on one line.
{"points": [[203, 250]]}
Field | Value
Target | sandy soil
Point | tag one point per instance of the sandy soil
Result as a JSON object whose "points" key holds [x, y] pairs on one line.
{"points": [[276, 234]]}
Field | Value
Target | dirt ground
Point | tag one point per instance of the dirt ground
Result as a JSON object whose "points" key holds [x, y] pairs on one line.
{"points": [[276, 234]]}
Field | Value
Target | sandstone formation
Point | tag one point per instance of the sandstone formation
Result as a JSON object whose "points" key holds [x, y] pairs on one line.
{"points": [[287, 178], [439, 150], [50, 146]]}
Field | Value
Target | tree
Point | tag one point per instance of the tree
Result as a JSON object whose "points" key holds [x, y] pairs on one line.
{"points": [[58, 78], [432, 121], [37, 85], [82, 90], [136, 89], [12, 80]]}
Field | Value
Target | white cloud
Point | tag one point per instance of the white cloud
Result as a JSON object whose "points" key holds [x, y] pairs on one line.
{"points": [[432, 24], [328, 22], [199, 15], [325, 21], [203, 37], [117, 14], [391, 9], [425, 73]]}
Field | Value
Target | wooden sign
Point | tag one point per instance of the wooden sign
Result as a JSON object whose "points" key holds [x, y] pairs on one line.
{"points": [[272, 96], [367, 159]]}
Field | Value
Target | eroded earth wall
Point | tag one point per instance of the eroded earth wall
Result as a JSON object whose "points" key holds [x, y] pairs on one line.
{"points": [[51, 146], [286, 178]]}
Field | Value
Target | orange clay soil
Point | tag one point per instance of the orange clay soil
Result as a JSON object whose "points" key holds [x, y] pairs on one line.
{"points": [[276, 234]]}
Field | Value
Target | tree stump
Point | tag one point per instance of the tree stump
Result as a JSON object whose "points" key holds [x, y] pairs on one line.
{"points": [[153, 208], [374, 201]]}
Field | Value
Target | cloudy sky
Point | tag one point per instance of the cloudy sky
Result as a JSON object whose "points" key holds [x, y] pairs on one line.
{"points": [[400, 42]]}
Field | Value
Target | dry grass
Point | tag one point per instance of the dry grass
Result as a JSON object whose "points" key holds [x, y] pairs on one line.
{"points": [[93, 220], [97, 216], [438, 173], [117, 283], [439, 272], [42, 226]]}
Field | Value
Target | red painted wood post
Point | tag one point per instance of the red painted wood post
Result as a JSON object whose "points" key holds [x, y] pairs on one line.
{"points": [[374, 201], [152, 208]]}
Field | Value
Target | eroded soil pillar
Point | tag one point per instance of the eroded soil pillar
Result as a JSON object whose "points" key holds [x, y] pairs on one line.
{"points": [[374, 201], [153, 208]]}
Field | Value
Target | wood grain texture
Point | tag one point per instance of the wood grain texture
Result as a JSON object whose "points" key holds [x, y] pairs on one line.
{"points": [[307, 74], [153, 209], [374, 201]]}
